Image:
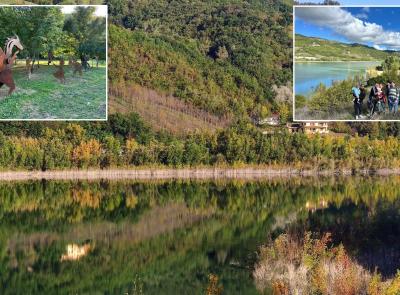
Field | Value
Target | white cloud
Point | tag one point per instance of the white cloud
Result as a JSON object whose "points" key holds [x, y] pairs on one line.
{"points": [[378, 47], [350, 27]]}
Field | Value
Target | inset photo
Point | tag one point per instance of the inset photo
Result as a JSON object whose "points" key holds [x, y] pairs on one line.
{"points": [[346, 63], [53, 65]]}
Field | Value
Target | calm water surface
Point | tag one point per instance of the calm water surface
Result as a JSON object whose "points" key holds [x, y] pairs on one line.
{"points": [[310, 75], [167, 237]]}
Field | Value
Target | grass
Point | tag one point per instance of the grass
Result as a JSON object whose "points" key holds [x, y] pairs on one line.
{"points": [[44, 97], [163, 112], [294, 264]]}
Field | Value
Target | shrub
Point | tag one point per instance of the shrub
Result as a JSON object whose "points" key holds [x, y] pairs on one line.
{"points": [[334, 97], [306, 265]]}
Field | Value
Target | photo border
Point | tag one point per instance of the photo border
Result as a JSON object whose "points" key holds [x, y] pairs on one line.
{"points": [[57, 119], [294, 61]]}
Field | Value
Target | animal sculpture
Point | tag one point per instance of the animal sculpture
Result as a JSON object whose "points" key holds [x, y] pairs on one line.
{"points": [[59, 73], [77, 67], [7, 59]]}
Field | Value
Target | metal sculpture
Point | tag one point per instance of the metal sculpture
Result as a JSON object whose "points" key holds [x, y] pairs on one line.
{"points": [[7, 59], [59, 74], [77, 67]]}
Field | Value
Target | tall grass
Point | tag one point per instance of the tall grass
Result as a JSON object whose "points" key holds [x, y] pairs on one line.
{"points": [[305, 265]]}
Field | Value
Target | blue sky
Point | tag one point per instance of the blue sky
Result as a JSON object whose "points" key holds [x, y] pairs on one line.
{"points": [[374, 26]]}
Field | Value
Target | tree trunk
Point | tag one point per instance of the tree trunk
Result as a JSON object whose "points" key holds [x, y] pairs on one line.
{"points": [[33, 63]]}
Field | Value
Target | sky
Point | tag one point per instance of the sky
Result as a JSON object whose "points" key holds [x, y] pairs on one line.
{"points": [[378, 27], [101, 10]]}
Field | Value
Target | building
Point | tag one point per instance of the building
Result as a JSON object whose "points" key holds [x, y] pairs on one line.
{"points": [[271, 121], [294, 127], [315, 128], [308, 127]]}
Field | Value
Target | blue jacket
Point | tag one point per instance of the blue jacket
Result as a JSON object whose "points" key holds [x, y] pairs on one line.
{"points": [[356, 92]]}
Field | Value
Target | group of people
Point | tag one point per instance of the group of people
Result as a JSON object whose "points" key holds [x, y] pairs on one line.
{"points": [[379, 97]]}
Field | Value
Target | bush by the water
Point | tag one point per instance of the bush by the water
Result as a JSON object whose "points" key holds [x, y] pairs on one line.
{"points": [[334, 97], [125, 140], [300, 101], [307, 265]]}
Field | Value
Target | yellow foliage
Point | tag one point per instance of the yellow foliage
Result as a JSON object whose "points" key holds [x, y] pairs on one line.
{"points": [[87, 198], [131, 145], [87, 153], [131, 201], [213, 288], [394, 287]]}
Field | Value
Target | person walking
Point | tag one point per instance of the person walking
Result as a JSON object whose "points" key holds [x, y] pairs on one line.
{"points": [[356, 100], [382, 98], [393, 98], [377, 100], [372, 97], [363, 94]]}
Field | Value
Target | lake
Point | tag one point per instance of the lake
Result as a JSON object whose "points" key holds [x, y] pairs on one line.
{"points": [[310, 75], [167, 237]]}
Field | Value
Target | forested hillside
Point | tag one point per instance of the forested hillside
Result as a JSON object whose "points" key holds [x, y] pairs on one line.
{"points": [[317, 49], [212, 64], [222, 56]]}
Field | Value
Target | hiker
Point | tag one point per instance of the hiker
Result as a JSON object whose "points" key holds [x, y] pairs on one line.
{"points": [[381, 104], [372, 96], [363, 94], [378, 100], [393, 98], [357, 102]]}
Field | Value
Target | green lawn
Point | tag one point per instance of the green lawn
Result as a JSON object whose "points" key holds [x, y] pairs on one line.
{"points": [[44, 97]]}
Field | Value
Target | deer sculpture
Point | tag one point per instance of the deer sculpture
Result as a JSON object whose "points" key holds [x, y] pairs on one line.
{"points": [[59, 73], [7, 59], [77, 67]]}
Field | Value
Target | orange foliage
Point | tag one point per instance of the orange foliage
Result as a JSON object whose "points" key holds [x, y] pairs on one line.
{"points": [[88, 153]]}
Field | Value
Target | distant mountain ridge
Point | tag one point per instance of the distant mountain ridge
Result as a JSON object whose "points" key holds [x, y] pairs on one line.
{"points": [[319, 49]]}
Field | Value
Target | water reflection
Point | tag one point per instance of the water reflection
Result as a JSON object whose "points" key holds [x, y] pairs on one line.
{"points": [[172, 235]]}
